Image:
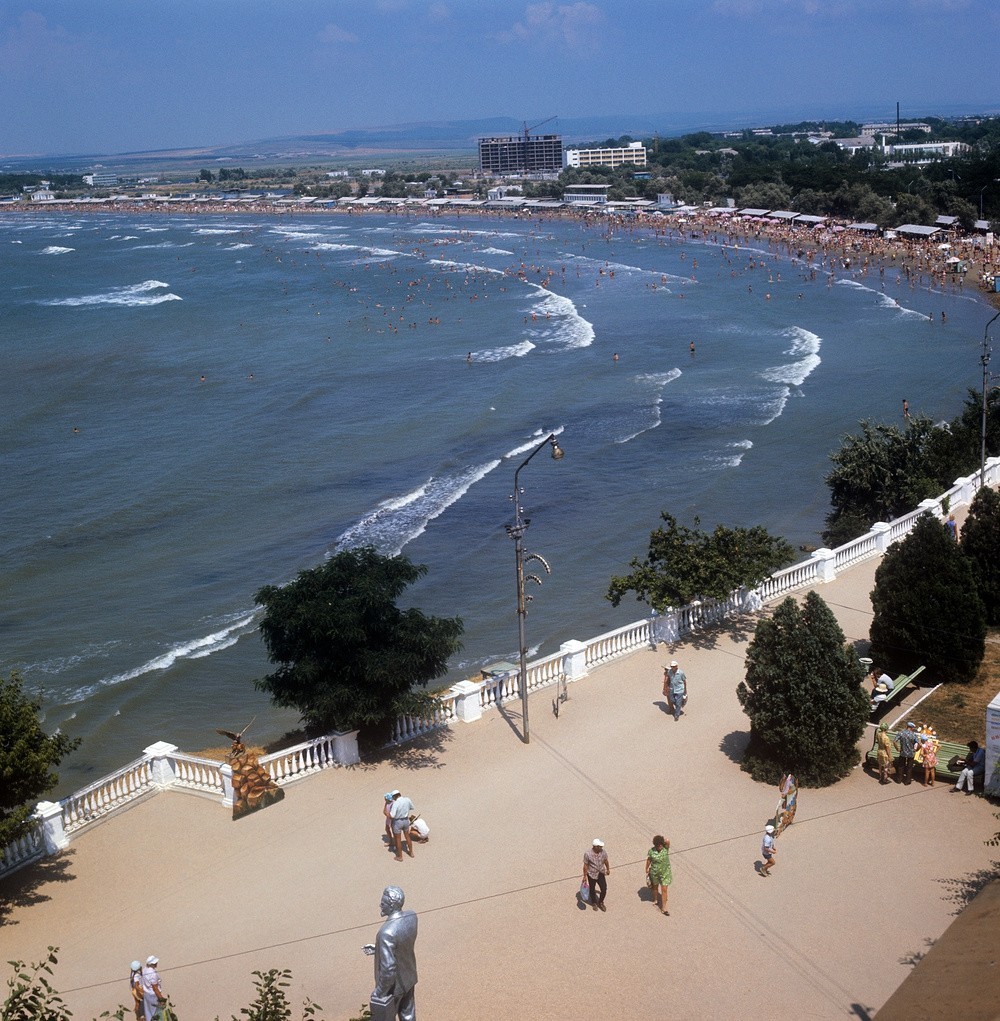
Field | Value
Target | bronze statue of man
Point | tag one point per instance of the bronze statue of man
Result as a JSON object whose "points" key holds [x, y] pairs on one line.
{"points": [[395, 960]]}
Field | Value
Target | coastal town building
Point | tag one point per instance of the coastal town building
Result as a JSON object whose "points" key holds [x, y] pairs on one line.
{"points": [[503, 155], [634, 153], [890, 127], [586, 194]]}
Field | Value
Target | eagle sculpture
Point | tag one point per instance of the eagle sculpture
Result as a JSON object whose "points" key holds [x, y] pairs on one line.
{"points": [[253, 787]]}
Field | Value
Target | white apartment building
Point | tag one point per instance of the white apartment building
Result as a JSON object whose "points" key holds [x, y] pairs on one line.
{"points": [[634, 153]]}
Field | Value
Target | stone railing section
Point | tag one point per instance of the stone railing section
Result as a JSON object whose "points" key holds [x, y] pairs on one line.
{"points": [[23, 851], [106, 796], [163, 767]]}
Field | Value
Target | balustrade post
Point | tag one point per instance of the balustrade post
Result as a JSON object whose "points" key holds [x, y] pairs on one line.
{"points": [[826, 564], [933, 507], [468, 704], [881, 531], [51, 815], [226, 771], [967, 490], [654, 623], [163, 772], [345, 747], [574, 655]]}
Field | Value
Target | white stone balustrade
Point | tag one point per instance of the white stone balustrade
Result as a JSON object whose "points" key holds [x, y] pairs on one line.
{"points": [[163, 767]]}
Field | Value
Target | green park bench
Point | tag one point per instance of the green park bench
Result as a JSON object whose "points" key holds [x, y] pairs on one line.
{"points": [[899, 685], [947, 750]]}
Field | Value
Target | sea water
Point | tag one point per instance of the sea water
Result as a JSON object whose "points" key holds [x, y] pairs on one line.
{"points": [[199, 405]]}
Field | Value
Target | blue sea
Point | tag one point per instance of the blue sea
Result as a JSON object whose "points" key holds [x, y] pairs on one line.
{"points": [[198, 405]]}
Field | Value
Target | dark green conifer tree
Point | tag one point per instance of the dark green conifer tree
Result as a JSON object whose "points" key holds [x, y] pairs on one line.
{"points": [[927, 610], [981, 544], [803, 696]]}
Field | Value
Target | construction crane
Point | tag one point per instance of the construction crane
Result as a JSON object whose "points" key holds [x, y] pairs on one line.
{"points": [[527, 130]]}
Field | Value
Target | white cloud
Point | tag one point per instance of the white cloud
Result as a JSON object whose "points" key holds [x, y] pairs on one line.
{"points": [[30, 44], [438, 12], [576, 26], [334, 34]]}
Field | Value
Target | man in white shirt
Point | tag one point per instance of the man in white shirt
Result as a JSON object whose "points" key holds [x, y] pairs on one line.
{"points": [[399, 813]]}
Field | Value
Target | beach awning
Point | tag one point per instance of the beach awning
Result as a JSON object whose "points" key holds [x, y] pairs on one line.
{"points": [[867, 228], [809, 218], [781, 214], [754, 212], [917, 230]]}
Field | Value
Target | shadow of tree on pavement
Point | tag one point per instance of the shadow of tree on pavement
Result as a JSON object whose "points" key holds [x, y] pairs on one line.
{"points": [[963, 889], [26, 887], [734, 745]]}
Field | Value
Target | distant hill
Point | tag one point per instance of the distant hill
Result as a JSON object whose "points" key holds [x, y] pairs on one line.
{"points": [[443, 139]]}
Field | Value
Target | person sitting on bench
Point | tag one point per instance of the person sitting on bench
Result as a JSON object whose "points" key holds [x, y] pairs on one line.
{"points": [[973, 767]]}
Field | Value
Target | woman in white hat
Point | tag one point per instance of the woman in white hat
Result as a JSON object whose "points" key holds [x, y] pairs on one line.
{"points": [[152, 996]]}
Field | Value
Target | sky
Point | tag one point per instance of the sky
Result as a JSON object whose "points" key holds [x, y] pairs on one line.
{"points": [[111, 76]]}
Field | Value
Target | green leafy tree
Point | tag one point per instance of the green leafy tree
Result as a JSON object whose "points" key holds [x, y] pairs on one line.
{"points": [[879, 474], [926, 608], [981, 545], [684, 564], [271, 1002], [803, 696], [27, 755], [348, 657]]}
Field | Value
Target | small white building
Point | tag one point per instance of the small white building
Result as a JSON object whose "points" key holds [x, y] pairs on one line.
{"points": [[634, 153]]}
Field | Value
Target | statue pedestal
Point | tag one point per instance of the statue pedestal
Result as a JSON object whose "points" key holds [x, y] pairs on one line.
{"points": [[383, 1008]]}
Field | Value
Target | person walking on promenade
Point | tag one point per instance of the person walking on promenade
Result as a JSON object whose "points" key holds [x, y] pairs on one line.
{"points": [[658, 871], [675, 688], [906, 740], [152, 996], [973, 767], [135, 985], [789, 791], [596, 867], [883, 756], [399, 812], [767, 851], [387, 812]]}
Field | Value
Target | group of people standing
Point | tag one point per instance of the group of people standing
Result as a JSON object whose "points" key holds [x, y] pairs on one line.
{"points": [[148, 1001], [402, 823], [912, 746]]}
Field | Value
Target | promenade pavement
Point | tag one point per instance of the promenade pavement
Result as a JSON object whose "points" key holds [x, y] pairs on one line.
{"points": [[866, 878]]}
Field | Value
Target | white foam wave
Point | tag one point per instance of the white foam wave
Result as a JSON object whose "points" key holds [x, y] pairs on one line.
{"points": [[56, 250], [499, 354], [163, 244], [652, 412], [805, 348], [495, 251], [884, 300], [624, 267], [133, 296], [431, 228], [465, 267], [571, 329], [234, 627], [399, 520], [216, 230], [237, 246], [534, 441]]}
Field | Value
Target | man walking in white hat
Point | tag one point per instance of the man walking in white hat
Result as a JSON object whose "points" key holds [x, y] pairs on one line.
{"points": [[675, 687]]}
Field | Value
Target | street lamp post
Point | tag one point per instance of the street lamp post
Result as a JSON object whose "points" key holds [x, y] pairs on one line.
{"points": [[985, 359], [981, 190], [516, 532]]}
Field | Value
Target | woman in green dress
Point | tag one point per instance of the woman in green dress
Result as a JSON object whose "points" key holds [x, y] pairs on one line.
{"points": [[658, 873]]}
